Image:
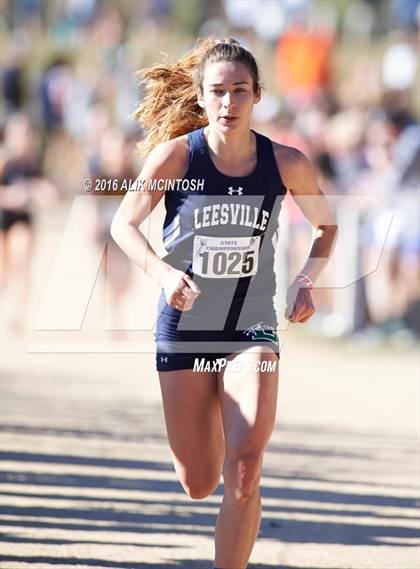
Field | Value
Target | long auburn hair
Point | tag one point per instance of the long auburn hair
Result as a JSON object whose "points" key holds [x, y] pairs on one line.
{"points": [[169, 107]]}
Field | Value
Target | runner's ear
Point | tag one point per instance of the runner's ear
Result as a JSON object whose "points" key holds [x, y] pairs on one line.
{"points": [[200, 98]]}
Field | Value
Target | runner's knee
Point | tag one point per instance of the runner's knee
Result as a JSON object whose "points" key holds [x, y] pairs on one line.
{"points": [[198, 488], [242, 476]]}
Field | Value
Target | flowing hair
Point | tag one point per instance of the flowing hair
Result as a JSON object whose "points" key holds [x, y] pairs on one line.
{"points": [[169, 107]]}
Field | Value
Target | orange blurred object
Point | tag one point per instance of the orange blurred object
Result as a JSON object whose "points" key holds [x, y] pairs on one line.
{"points": [[302, 59]]}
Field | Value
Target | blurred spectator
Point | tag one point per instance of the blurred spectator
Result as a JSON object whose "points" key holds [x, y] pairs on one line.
{"points": [[22, 189], [13, 76], [303, 61], [392, 290], [112, 161], [56, 90]]}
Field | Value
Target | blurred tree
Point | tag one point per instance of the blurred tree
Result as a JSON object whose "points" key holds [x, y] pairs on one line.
{"points": [[187, 16]]}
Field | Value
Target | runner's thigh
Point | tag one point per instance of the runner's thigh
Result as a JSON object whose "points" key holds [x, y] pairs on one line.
{"points": [[248, 399], [193, 422]]}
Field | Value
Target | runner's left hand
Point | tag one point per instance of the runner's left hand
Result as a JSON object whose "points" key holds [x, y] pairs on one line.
{"points": [[300, 306]]}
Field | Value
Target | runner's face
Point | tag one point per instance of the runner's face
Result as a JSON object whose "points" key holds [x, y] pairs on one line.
{"points": [[227, 96]]}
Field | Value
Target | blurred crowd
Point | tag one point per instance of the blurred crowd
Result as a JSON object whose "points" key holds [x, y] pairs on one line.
{"points": [[341, 84]]}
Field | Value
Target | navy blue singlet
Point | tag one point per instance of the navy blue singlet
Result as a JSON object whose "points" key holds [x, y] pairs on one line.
{"points": [[207, 232]]}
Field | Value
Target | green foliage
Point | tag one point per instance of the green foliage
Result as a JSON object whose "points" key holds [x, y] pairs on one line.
{"points": [[187, 15]]}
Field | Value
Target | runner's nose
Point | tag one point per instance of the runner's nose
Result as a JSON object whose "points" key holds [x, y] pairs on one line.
{"points": [[228, 101]]}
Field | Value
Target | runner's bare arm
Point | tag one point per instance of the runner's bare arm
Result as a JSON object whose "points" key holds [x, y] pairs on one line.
{"points": [[300, 178], [168, 160]]}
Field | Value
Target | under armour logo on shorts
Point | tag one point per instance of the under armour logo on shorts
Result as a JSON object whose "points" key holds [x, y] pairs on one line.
{"points": [[164, 359], [231, 191]]}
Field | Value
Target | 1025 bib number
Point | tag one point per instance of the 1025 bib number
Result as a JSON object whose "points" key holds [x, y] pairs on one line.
{"points": [[225, 257]]}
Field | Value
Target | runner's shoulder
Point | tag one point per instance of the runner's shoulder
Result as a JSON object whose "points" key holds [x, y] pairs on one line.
{"points": [[291, 161], [175, 149], [172, 153], [288, 155]]}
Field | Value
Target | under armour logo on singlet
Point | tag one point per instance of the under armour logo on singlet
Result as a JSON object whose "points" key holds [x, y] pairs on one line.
{"points": [[231, 191]]}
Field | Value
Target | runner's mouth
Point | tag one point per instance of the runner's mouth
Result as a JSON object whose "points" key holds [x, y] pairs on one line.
{"points": [[229, 118]]}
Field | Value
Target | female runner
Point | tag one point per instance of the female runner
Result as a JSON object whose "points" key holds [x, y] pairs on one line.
{"points": [[217, 280]]}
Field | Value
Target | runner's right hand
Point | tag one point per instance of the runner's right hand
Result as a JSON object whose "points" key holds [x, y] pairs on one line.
{"points": [[180, 290]]}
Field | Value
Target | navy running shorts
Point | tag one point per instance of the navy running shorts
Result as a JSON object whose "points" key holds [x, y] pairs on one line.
{"points": [[182, 337]]}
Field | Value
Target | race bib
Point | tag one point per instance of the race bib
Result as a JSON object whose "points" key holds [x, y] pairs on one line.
{"points": [[225, 257]]}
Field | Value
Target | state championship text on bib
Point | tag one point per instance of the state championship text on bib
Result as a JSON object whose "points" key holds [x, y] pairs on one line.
{"points": [[225, 257]]}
